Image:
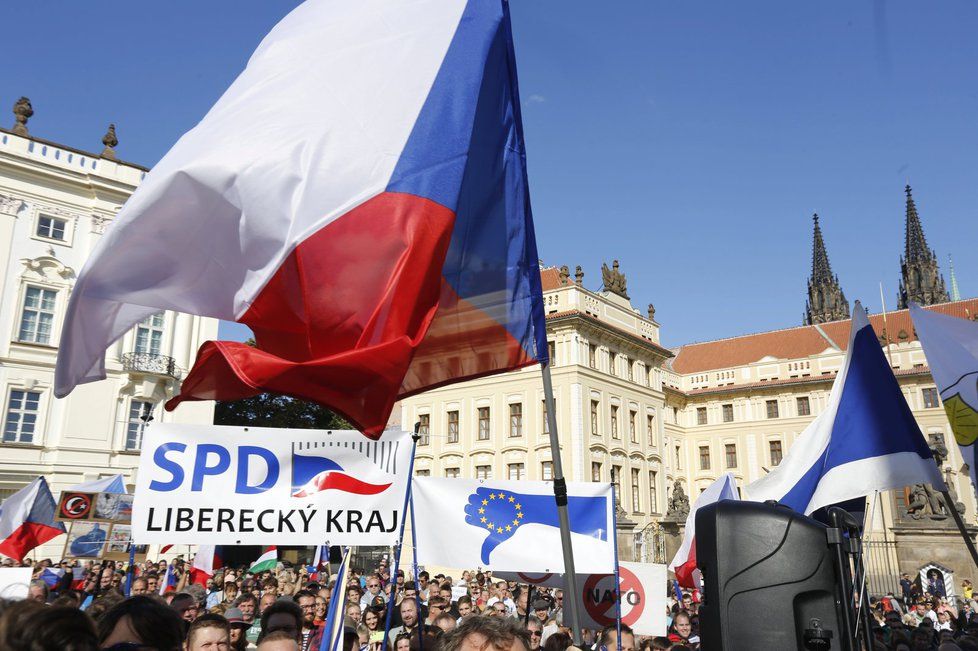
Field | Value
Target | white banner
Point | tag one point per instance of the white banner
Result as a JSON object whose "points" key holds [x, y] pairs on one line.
{"points": [[643, 595], [511, 525], [207, 484]]}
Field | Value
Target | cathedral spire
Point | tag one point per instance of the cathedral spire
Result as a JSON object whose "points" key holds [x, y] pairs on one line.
{"points": [[826, 301], [921, 280], [955, 292]]}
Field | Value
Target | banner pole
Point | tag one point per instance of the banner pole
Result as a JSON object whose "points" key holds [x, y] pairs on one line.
{"points": [[131, 569], [400, 541], [417, 591], [614, 537], [952, 509], [560, 496]]}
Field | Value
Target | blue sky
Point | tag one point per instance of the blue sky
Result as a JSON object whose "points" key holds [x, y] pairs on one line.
{"points": [[692, 140]]}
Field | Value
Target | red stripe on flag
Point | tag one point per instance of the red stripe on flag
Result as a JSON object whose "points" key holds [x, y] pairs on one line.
{"points": [[26, 537], [684, 572], [339, 322]]}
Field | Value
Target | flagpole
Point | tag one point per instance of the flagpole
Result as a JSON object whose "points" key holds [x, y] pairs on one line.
{"points": [[129, 572], [958, 521], [417, 591], [614, 537], [400, 538], [560, 496]]}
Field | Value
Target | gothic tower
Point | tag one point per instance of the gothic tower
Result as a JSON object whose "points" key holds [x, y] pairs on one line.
{"points": [[826, 302], [922, 281]]}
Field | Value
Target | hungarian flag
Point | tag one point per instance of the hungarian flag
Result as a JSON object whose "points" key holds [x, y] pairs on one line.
{"points": [[358, 198], [267, 560], [27, 519]]}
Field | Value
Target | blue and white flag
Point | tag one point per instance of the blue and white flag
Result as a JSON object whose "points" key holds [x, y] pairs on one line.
{"points": [[951, 347], [332, 633], [866, 439], [511, 526]]}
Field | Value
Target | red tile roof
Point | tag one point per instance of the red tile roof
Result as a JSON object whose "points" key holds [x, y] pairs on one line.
{"points": [[804, 341], [550, 279]]}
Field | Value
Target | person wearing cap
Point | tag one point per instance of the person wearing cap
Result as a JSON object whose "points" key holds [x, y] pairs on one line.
{"points": [[541, 609], [238, 626]]}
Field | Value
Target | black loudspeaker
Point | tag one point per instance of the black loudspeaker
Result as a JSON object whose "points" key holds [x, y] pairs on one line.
{"points": [[771, 579]]}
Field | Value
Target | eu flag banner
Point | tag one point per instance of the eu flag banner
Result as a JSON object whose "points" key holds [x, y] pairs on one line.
{"points": [[511, 525], [865, 440], [951, 347]]}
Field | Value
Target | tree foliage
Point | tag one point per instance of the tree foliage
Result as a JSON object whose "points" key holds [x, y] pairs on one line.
{"points": [[270, 410]]}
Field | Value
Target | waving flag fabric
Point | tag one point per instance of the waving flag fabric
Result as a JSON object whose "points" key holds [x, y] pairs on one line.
{"points": [[684, 563], [511, 526], [113, 484], [951, 347], [332, 631], [865, 440], [267, 561], [357, 197], [207, 561], [27, 519]]}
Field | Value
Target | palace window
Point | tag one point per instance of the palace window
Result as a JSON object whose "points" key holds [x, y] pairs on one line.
{"points": [[453, 427], [653, 500], [628, 368], [51, 228], [614, 422], [728, 413], [425, 429], [594, 418], [22, 412], [138, 410], [616, 480], [595, 471], [633, 426], [592, 356], [422, 473], [546, 470], [679, 457], [37, 316], [772, 408], [483, 472], [704, 457], [516, 419], [636, 492], [483, 423], [552, 352], [149, 334], [516, 471], [731, 453], [774, 447], [701, 415], [930, 398], [650, 428], [804, 406], [452, 473]]}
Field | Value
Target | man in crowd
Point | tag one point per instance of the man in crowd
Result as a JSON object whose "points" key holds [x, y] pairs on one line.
{"points": [[354, 612], [534, 627], [38, 591], [409, 619], [185, 606], [238, 626], [307, 603], [208, 633], [501, 594], [247, 603], [283, 615], [373, 591], [482, 633], [541, 609], [436, 606], [140, 586], [609, 638]]}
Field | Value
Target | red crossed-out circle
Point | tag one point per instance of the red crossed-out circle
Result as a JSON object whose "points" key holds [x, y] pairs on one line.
{"points": [[535, 580], [603, 612], [76, 505]]}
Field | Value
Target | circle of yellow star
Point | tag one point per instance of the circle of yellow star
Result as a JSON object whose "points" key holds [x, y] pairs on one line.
{"points": [[492, 496], [512, 499], [485, 502]]}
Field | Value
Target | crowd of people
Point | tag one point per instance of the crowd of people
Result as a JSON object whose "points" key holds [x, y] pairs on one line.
{"points": [[285, 610]]}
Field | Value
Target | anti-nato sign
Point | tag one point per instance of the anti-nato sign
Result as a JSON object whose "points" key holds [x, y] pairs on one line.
{"points": [[257, 486]]}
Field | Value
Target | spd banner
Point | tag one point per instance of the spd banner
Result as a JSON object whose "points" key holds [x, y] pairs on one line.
{"points": [[216, 485]]}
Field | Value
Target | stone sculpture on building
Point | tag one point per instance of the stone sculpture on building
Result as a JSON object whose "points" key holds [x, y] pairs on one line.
{"points": [[22, 113], [614, 280]]}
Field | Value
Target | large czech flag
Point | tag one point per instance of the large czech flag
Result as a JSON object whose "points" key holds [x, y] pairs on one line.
{"points": [[27, 519], [358, 197]]}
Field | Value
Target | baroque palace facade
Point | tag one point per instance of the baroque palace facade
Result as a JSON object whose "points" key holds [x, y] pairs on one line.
{"points": [[663, 424], [55, 203]]}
